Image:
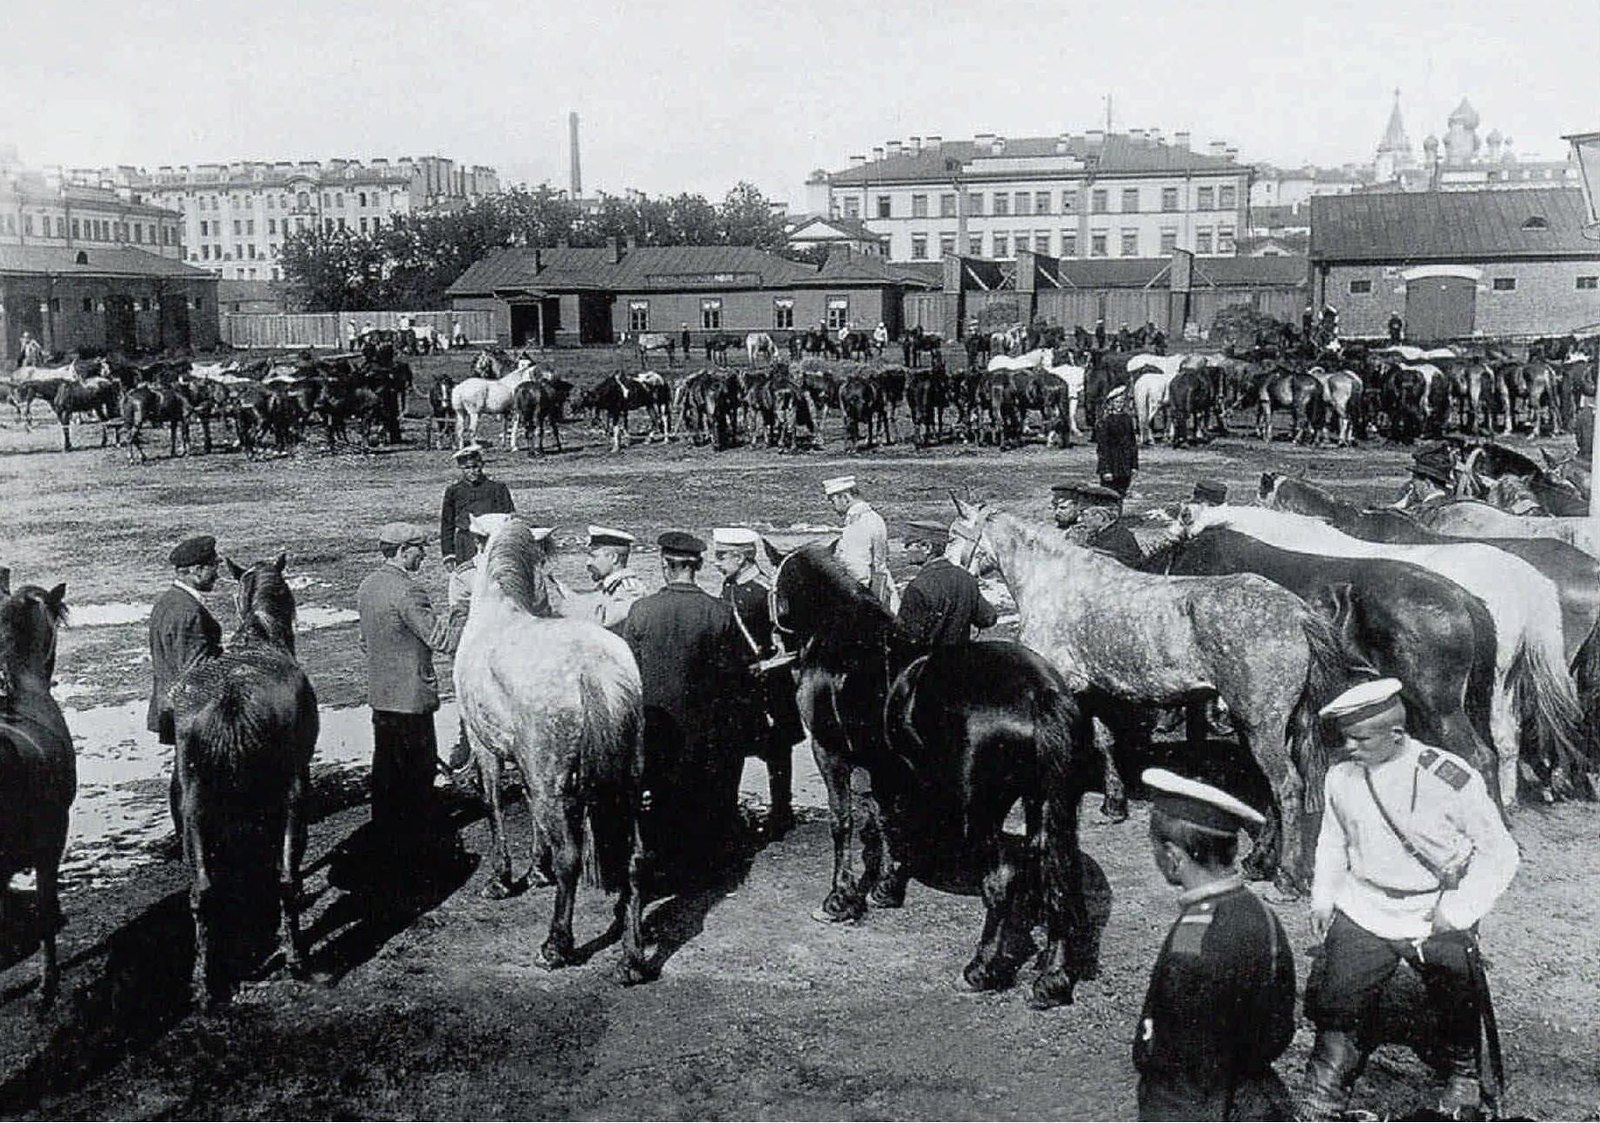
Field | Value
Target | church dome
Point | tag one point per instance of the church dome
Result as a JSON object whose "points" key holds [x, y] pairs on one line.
{"points": [[1465, 115]]}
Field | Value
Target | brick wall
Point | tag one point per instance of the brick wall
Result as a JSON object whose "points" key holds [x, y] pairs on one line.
{"points": [[54, 312], [1546, 300], [753, 310]]}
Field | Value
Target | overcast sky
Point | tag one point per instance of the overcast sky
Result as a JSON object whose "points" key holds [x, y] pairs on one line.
{"points": [[683, 95]]}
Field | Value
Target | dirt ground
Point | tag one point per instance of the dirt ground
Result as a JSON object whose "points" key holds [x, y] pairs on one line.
{"points": [[440, 1011]]}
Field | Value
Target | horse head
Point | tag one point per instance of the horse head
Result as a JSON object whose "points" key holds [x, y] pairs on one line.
{"points": [[264, 602], [814, 597], [29, 619]]}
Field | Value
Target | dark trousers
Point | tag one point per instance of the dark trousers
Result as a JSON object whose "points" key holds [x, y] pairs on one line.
{"points": [[1253, 1098], [1348, 978], [404, 746]]}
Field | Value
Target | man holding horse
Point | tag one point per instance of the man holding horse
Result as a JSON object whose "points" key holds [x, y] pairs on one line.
{"points": [[182, 631], [1220, 1007], [943, 604], [473, 494], [697, 693], [1091, 516], [1412, 854], [863, 546], [739, 554], [619, 586]]}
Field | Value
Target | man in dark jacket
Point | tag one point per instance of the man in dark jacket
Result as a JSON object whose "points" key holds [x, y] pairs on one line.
{"points": [[1116, 443], [942, 604], [1220, 1008], [182, 630], [697, 693], [473, 494], [1397, 328], [1090, 516]]}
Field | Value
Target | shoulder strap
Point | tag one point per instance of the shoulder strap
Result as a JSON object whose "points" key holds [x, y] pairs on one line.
{"points": [[1410, 847]]}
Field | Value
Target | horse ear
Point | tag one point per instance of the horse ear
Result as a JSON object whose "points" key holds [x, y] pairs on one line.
{"points": [[57, 596], [963, 508], [1549, 461], [234, 569], [280, 561], [5, 581]]}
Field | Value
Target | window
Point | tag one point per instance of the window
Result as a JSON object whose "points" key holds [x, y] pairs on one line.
{"points": [[338, 198], [1207, 199], [1202, 239], [638, 315], [1069, 243], [1505, 284], [1169, 240], [302, 200], [61, 227], [1002, 245], [947, 244], [363, 224], [1023, 203], [272, 226], [1360, 288], [55, 304], [250, 227], [1130, 243], [327, 226], [883, 206], [1225, 239], [838, 312], [1097, 243], [1097, 201], [204, 228], [341, 223], [974, 245], [27, 224], [1169, 198], [1227, 197], [1130, 200], [919, 206], [205, 253], [1041, 202], [272, 201], [277, 274], [145, 304], [975, 202], [199, 303], [361, 198], [1002, 203], [75, 228], [852, 207], [711, 313], [1536, 222], [1069, 202], [947, 205], [88, 304], [919, 247], [1589, 282], [783, 312], [252, 251], [138, 234], [238, 228]]}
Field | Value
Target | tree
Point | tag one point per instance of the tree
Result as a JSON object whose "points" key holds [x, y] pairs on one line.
{"points": [[332, 270], [747, 219]]}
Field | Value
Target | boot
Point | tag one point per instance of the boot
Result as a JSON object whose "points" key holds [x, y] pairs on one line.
{"points": [[1462, 1097], [1330, 1073]]}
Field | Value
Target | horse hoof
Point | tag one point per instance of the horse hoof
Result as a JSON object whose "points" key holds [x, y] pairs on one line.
{"points": [[632, 972], [840, 909], [555, 954], [886, 896], [496, 889], [1114, 810], [980, 975], [1051, 990]]}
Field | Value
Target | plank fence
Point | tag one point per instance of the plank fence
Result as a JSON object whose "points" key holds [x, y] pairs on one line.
{"points": [[331, 329]]}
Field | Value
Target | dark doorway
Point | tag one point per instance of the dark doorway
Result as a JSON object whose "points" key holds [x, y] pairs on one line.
{"points": [[121, 333], [534, 323], [1439, 308], [174, 321], [594, 318]]}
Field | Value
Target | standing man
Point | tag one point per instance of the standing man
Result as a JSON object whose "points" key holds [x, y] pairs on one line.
{"points": [[32, 354], [182, 630], [1100, 334], [684, 339], [399, 634], [1090, 514], [696, 690], [880, 338], [1411, 856], [863, 546], [1220, 1008], [619, 586], [1116, 442], [1308, 320], [1397, 328], [738, 555], [943, 604], [473, 494]]}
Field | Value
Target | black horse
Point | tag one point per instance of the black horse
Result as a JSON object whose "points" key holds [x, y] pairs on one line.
{"points": [[172, 406], [98, 396], [952, 740], [540, 402], [928, 393], [861, 399]]}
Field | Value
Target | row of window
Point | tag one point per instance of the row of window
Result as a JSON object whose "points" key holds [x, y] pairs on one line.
{"points": [[141, 304], [301, 200], [837, 307], [94, 230], [1003, 203], [1497, 284], [214, 252], [1008, 243]]}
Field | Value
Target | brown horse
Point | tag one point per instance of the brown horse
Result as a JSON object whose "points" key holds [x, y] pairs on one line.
{"points": [[1300, 394], [38, 766]]}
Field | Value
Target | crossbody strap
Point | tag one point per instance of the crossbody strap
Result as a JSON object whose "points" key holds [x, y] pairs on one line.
{"points": [[1410, 847]]}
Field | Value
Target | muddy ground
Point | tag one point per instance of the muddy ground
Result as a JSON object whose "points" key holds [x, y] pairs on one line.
{"points": [[439, 1011]]}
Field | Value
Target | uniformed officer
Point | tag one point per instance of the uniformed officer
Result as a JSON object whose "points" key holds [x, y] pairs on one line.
{"points": [[182, 630], [1089, 513], [1116, 442], [1430, 477], [942, 605], [1220, 1008], [1212, 493], [739, 554], [697, 693], [619, 586], [1100, 335], [1397, 328], [473, 494], [863, 546], [1412, 854]]}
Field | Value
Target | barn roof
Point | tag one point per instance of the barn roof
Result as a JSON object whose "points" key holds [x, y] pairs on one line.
{"points": [[1450, 225], [1220, 272], [100, 261], [1117, 153]]}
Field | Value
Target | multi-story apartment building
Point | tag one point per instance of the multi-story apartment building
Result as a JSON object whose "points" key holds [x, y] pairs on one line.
{"points": [[1095, 194], [235, 217], [44, 208]]}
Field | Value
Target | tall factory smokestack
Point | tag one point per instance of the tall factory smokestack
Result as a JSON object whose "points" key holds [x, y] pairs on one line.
{"points": [[577, 169]]}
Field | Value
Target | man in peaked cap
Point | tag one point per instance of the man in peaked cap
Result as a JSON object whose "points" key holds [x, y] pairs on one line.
{"points": [[942, 604], [619, 586], [1220, 1007], [473, 494], [1089, 515], [863, 546], [182, 630], [1213, 493], [740, 554], [1116, 442], [697, 692], [1432, 474], [1412, 854]]}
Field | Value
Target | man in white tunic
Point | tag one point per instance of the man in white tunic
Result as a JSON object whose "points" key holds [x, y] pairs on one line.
{"points": [[863, 546]]}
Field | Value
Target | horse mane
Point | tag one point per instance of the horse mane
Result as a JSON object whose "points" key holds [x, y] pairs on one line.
{"points": [[512, 561], [839, 608], [268, 615], [18, 621]]}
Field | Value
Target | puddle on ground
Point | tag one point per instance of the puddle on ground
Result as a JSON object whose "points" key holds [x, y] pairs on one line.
{"points": [[105, 615], [313, 616]]}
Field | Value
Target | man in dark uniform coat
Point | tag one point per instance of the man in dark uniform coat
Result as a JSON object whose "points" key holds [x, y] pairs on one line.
{"points": [[942, 604], [182, 630], [696, 692], [473, 494], [778, 728], [1116, 443], [1090, 515], [1099, 335], [1220, 1008], [1397, 328]]}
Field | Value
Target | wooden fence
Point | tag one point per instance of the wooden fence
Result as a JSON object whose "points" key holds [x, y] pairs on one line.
{"points": [[332, 329]]}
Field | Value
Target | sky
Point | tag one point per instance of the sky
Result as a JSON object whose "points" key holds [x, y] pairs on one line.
{"points": [[683, 95]]}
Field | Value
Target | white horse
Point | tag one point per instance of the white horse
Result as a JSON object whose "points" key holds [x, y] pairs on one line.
{"points": [[1530, 679], [1152, 393], [1075, 379], [758, 345], [1168, 365], [1028, 360], [471, 398]]}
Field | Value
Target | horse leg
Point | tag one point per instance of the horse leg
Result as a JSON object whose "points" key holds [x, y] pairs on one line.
{"points": [[565, 825], [210, 987], [294, 849], [1504, 730], [844, 901], [1279, 846], [47, 919], [500, 885], [540, 867], [1069, 951], [996, 961]]}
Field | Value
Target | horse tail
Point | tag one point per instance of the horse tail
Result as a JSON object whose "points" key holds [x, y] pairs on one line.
{"points": [[1330, 665], [1546, 702], [1055, 720], [612, 766]]}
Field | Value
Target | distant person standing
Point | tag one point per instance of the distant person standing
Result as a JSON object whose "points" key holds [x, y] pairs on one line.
{"points": [[182, 630], [1116, 443], [32, 353], [863, 545], [458, 334], [685, 341], [1397, 328], [473, 494]]}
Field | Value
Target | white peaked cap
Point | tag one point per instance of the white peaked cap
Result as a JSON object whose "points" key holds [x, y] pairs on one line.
{"points": [[734, 536], [838, 484]]}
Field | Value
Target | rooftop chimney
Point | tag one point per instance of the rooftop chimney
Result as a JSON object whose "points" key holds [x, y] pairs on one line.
{"points": [[1095, 136], [1217, 148], [1157, 135], [1231, 153], [1136, 134], [893, 148], [1180, 139], [538, 259], [933, 143], [916, 144], [1063, 143], [877, 155], [616, 249], [577, 168], [857, 161], [985, 142]]}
